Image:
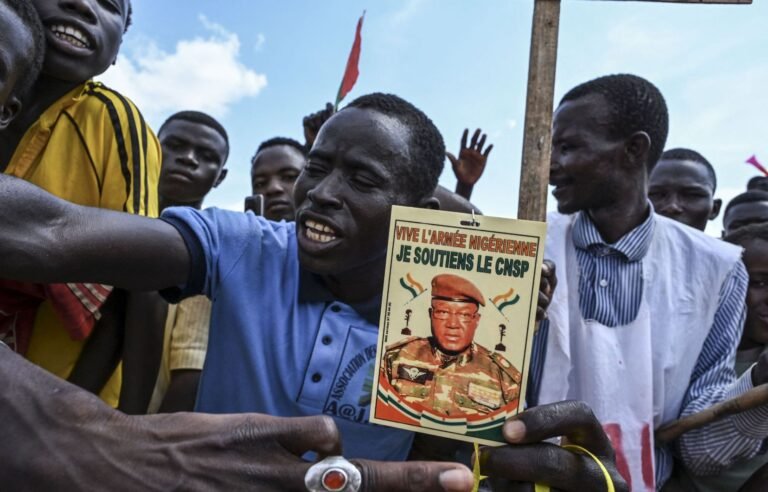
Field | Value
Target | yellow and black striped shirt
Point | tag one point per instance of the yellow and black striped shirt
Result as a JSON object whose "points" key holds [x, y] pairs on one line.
{"points": [[91, 147]]}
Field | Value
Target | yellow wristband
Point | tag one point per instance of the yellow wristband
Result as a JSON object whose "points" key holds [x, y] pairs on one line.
{"points": [[580, 450]]}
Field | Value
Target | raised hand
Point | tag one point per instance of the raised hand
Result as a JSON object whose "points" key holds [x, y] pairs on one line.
{"points": [[470, 164], [313, 122], [529, 460]]}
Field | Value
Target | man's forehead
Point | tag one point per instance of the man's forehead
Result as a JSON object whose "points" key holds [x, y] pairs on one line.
{"points": [[748, 210], [586, 113], [454, 304], [275, 158], [364, 131], [680, 173], [185, 128]]}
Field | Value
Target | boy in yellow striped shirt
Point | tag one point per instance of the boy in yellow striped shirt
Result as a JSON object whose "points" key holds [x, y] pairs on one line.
{"points": [[89, 145]]}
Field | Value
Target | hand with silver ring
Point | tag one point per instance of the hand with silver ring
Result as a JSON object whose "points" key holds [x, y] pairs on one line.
{"points": [[336, 474], [333, 474], [189, 451]]}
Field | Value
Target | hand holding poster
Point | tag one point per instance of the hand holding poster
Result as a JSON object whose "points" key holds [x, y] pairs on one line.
{"points": [[457, 323]]}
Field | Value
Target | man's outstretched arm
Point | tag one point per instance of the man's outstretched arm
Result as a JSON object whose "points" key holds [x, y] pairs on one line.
{"points": [[46, 239], [56, 436]]}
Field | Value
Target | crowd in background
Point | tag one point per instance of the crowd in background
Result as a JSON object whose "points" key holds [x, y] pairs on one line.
{"points": [[115, 278]]}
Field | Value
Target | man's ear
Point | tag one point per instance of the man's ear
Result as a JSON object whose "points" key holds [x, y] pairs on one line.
{"points": [[636, 149], [8, 111], [222, 175], [716, 204], [431, 203]]}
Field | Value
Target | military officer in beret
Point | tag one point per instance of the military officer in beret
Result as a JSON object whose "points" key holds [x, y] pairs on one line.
{"points": [[447, 372]]}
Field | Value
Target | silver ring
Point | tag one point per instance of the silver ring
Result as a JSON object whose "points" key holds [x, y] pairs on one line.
{"points": [[333, 474]]}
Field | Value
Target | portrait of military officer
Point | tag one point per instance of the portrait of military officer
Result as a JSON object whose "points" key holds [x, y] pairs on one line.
{"points": [[448, 372]]}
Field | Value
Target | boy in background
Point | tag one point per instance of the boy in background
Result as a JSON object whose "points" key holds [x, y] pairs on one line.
{"points": [[274, 169], [195, 150], [682, 187]]}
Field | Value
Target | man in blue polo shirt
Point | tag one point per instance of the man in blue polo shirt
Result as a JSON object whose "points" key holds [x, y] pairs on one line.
{"points": [[306, 344]]}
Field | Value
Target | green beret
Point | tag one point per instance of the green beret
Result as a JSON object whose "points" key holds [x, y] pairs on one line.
{"points": [[449, 287]]}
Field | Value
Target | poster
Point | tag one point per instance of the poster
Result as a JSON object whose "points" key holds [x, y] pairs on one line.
{"points": [[457, 323]]}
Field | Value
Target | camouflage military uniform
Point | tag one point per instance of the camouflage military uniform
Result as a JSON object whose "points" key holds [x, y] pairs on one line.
{"points": [[473, 382]]}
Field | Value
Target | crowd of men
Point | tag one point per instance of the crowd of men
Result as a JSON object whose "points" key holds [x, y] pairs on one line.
{"points": [[124, 302]]}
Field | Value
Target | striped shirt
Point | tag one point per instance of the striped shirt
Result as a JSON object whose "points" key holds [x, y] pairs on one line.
{"points": [[610, 292], [185, 343], [92, 147]]}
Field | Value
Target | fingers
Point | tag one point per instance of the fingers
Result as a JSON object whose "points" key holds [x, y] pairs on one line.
{"points": [[464, 138], [542, 305], [549, 271], [547, 286], [488, 151], [571, 419], [452, 158], [481, 142], [301, 434], [548, 281], [475, 136], [414, 476], [542, 463]]}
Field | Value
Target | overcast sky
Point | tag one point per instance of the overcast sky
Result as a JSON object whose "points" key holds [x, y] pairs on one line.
{"points": [[260, 66]]}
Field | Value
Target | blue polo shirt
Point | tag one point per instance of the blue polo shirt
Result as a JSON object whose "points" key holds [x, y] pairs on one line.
{"points": [[279, 342]]}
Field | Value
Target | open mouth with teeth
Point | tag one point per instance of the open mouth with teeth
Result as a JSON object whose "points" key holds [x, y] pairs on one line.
{"points": [[71, 35], [319, 232]]}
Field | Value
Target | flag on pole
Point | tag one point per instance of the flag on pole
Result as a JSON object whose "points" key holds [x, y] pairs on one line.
{"points": [[753, 160], [351, 73]]}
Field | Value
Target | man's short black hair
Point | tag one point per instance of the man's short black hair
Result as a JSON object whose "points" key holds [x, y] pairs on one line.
{"points": [[34, 61], [275, 141], [200, 118], [750, 196], [748, 233], [753, 183], [681, 154], [635, 105], [426, 146]]}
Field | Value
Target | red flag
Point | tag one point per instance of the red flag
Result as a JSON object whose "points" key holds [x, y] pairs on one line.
{"points": [[351, 73], [753, 160]]}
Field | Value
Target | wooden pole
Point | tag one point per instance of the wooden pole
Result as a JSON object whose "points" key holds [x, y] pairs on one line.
{"points": [[537, 133], [753, 398]]}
